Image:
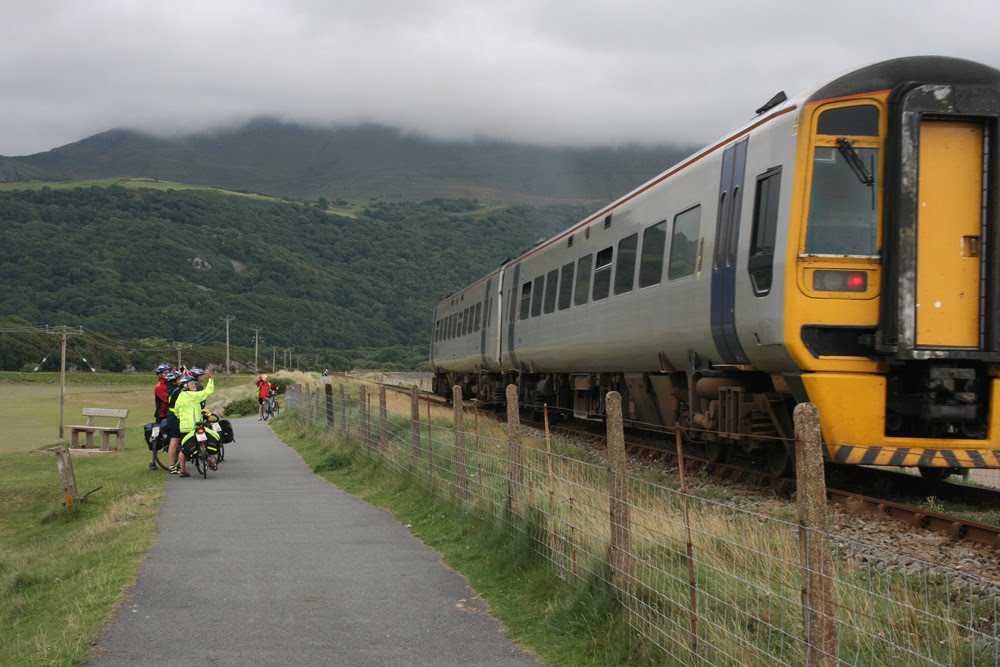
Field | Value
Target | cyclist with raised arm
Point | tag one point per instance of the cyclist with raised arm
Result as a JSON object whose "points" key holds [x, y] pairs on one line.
{"points": [[160, 395], [265, 388], [187, 407]]}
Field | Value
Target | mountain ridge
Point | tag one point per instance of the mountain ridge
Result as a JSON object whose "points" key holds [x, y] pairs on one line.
{"points": [[361, 163]]}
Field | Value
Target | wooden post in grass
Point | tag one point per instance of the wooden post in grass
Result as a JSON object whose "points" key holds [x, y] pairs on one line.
{"points": [[65, 466], [362, 402], [461, 476], [368, 423], [515, 467], [414, 427], [692, 589], [548, 463], [817, 590], [342, 428], [328, 389], [430, 448], [383, 417], [620, 551]]}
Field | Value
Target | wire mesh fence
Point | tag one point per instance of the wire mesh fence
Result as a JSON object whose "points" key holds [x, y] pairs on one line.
{"points": [[706, 581]]}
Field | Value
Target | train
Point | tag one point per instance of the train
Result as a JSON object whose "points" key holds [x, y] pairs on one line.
{"points": [[840, 248]]}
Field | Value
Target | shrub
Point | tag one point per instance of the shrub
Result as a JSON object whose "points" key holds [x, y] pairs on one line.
{"points": [[241, 407]]}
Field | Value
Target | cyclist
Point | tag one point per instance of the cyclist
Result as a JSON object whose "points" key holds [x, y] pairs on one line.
{"points": [[172, 427], [187, 407], [265, 388], [160, 395]]}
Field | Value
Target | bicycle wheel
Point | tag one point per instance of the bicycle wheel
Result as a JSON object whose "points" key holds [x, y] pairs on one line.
{"points": [[221, 454], [160, 456], [275, 409], [266, 412]]}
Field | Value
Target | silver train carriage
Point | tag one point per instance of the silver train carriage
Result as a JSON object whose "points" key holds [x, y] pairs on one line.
{"points": [[841, 248]]}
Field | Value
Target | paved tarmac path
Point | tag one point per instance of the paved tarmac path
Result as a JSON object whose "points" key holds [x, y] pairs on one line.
{"points": [[264, 563]]}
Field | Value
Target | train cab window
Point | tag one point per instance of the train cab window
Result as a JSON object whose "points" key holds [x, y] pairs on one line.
{"points": [[536, 297], [843, 210], [602, 274], [476, 318], [765, 225], [625, 265], [566, 286], [654, 243], [583, 279], [551, 283], [525, 301], [684, 243]]}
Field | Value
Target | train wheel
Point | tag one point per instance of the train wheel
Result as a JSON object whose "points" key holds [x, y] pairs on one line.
{"points": [[717, 451], [779, 461], [934, 475]]}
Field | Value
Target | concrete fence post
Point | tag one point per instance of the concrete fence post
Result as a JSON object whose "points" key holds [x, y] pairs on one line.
{"points": [[620, 551], [515, 473], [817, 583], [414, 427], [328, 389], [461, 476]]}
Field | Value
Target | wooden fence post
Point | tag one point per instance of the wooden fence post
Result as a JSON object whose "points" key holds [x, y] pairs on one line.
{"points": [[461, 476], [383, 417], [342, 427], [362, 420], [515, 467], [414, 427], [328, 389], [817, 583], [692, 580], [65, 466], [620, 551]]}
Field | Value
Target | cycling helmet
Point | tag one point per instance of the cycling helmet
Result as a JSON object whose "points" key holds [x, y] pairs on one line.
{"points": [[196, 372], [171, 376], [185, 379], [264, 376], [162, 367]]}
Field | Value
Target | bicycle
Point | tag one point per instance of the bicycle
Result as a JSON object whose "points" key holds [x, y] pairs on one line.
{"points": [[205, 445], [158, 441], [270, 408]]}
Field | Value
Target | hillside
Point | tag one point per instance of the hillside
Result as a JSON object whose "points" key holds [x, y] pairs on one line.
{"points": [[357, 164], [139, 263]]}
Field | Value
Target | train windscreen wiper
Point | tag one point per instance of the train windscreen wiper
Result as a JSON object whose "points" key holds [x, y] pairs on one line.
{"points": [[854, 162]]}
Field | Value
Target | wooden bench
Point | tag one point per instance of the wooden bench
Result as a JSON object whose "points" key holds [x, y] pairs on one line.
{"points": [[90, 428]]}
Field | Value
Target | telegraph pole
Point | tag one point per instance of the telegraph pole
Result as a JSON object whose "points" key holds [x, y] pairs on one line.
{"points": [[228, 320], [256, 342], [179, 347], [63, 333]]}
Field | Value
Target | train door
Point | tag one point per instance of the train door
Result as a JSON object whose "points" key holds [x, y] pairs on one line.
{"points": [[727, 233], [949, 234], [484, 319], [512, 317]]}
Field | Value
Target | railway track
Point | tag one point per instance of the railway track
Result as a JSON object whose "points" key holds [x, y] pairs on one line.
{"points": [[955, 527]]}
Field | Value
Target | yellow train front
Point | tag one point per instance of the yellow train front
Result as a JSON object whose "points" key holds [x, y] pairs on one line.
{"points": [[840, 248], [891, 290]]}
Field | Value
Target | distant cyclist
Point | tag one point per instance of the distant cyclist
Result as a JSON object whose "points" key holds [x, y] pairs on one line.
{"points": [[265, 389]]}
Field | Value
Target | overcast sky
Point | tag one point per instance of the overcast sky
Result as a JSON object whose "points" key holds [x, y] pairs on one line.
{"points": [[580, 72]]}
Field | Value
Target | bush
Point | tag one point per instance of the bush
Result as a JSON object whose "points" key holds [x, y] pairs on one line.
{"points": [[281, 384], [241, 407]]}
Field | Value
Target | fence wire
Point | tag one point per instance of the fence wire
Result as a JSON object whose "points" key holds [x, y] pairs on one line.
{"points": [[723, 587]]}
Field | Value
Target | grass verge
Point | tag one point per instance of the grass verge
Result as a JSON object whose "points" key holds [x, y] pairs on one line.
{"points": [[62, 573], [562, 624]]}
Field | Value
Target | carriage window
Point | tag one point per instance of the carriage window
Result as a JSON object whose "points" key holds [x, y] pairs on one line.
{"points": [[476, 318], [552, 282], [525, 301], [463, 326], [566, 286], [602, 274], [843, 218], [536, 297], [654, 242], [684, 243], [765, 224], [625, 269], [583, 279]]}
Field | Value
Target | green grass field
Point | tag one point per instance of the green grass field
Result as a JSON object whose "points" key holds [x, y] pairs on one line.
{"points": [[147, 183]]}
